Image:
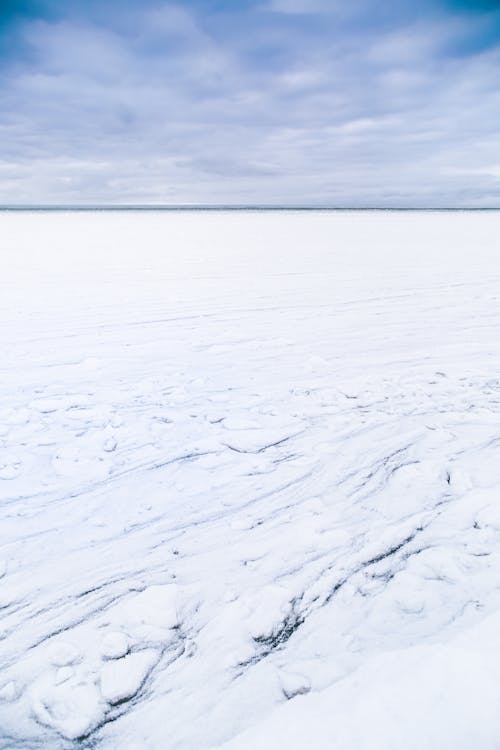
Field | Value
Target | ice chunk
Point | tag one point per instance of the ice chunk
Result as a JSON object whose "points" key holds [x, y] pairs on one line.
{"points": [[114, 645], [72, 710], [121, 679], [109, 445], [63, 653], [156, 605]]}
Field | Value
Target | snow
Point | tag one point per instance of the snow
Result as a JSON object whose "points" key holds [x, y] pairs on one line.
{"points": [[249, 480], [443, 695], [121, 679], [114, 645]]}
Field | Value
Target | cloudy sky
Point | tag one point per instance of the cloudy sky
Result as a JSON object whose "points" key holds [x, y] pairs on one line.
{"points": [[311, 102]]}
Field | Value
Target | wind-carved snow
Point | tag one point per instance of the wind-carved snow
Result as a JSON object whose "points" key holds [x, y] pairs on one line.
{"points": [[249, 480]]}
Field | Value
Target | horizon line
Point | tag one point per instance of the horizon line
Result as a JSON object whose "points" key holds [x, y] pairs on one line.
{"points": [[226, 207]]}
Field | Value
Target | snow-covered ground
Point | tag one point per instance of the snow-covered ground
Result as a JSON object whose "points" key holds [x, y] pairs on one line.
{"points": [[250, 481]]}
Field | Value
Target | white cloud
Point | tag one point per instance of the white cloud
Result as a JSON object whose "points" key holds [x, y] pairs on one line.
{"points": [[300, 6], [174, 109]]}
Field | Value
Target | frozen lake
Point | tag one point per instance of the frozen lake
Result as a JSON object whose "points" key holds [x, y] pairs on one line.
{"points": [[250, 480]]}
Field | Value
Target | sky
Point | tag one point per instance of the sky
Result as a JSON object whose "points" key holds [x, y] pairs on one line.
{"points": [[346, 103]]}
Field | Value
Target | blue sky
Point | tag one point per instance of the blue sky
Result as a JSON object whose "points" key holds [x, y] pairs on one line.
{"points": [[316, 102]]}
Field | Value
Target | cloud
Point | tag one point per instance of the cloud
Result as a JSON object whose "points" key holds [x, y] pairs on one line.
{"points": [[263, 104], [301, 7]]}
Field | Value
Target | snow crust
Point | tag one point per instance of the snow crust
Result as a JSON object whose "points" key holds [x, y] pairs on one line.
{"points": [[249, 481]]}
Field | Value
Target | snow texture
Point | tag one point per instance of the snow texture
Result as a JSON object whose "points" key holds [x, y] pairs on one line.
{"points": [[249, 481]]}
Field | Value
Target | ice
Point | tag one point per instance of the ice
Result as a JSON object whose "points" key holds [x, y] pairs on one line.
{"points": [[121, 679], [156, 605], [72, 712], [114, 645], [109, 445], [61, 654], [250, 497]]}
